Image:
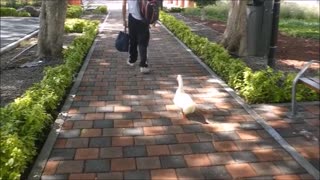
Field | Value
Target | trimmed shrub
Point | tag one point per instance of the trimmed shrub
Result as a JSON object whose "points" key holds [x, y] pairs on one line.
{"points": [[4, 11]]}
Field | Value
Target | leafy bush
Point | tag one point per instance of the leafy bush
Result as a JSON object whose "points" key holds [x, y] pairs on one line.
{"points": [[265, 86], [78, 25], [74, 11], [5, 11], [22, 122], [101, 10]]}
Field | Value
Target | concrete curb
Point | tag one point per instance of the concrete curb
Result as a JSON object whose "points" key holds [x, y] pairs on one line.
{"points": [[16, 43], [42, 158], [284, 144]]}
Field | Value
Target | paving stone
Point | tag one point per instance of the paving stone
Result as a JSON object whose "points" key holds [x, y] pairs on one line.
{"points": [[289, 167], [134, 151], [265, 169], [144, 140], [50, 168], [163, 174], [250, 126], [243, 156], [133, 131], [173, 129], [122, 141], [220, 158], [148, 163], [139, 174], [110, 176], [204, 137], [157, 150], [111, 152], [172, 162], [225, 146], [112, 132], [123, 123], [142, 123], [69, 133], [103, 124], [105, 109], [161, 122], [123, 164], [189, 173], [193, 160], [215, 172], [62, 154], [77, 143], [227, 135], [202, 147], [54, 177], [82, 124], [87, 109], [87, 153], [82, 176], [100, 142], [247, 144], [192, 128], [91, 132], [187, 138], [240, 170], [165, 139], [70, 167], [96, 166], [180, 149]]}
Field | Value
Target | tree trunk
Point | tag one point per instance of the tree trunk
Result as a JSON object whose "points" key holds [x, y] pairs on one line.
{"points": [[235, 37], [50, 37]]}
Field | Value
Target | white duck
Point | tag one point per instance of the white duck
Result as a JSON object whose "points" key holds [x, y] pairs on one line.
{"points": [[182, 99]]}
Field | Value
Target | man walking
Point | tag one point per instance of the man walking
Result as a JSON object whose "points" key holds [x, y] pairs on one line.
{"points": [[138, 32]]}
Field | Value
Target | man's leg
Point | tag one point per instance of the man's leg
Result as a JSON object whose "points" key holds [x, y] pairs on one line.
{"points": [[133, 34], [143, 41]]}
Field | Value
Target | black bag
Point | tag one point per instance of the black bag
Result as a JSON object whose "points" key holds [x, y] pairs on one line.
{"points": [[122, 41]]}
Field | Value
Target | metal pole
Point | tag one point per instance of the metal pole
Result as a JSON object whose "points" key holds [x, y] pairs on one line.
{"points": [[274, 33]]}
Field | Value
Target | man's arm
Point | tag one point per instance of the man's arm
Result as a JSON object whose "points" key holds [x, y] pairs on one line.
{"points": [[124, 12]]}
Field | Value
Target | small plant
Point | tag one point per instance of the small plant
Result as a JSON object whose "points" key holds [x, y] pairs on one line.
{"points": [[101, 10]]}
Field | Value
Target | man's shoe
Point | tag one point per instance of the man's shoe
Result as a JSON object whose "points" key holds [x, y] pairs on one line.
{"points": [[144, 70], [129, 63]]}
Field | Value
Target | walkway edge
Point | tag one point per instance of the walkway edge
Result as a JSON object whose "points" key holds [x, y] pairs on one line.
{"points": [[42, 158], [284, 144], [16, 43]]}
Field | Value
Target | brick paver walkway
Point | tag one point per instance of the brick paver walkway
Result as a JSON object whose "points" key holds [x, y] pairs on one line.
{"points": [[123, 125]]}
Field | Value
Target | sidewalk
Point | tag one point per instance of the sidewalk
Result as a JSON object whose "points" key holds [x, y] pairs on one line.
{"points": [[122, 124]]}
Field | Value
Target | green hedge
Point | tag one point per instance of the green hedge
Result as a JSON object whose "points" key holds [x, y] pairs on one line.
{"points": [[74, 11], [23, 121], [78, 25], [7, 11], [264, 86]]}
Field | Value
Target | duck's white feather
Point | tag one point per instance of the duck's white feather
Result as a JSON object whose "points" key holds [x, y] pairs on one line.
{"points": [[182, 99]]}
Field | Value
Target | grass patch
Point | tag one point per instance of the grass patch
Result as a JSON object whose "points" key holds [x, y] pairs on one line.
{"points": [[295, 20]]}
